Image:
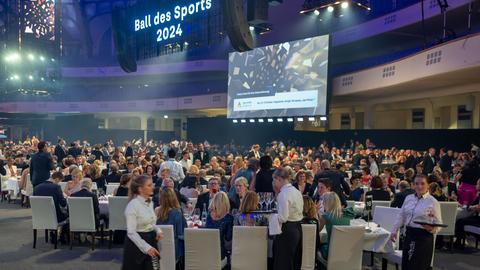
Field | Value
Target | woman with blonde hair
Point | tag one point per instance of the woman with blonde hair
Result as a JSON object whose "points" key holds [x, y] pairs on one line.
{"points": [[168, 213], [140, 250], [310, 215], [75, 184], [220, 218], [333, 215], [248, 205]]}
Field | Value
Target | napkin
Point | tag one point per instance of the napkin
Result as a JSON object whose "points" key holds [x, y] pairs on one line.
{"points": [[274, 227]]}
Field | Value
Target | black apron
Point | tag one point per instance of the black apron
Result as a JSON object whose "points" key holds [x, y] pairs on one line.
{"points": [[133, 257], [417, 249]]}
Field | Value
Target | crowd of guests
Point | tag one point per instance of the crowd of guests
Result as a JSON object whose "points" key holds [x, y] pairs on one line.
{"points": [[226, 180]]}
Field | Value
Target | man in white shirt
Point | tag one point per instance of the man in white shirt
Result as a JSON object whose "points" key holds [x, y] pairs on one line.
{"points": [[287, 245], [176, 170], [186, 162]]}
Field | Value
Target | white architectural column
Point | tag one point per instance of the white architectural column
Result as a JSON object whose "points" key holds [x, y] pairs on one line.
{"points": [[369, 116]]}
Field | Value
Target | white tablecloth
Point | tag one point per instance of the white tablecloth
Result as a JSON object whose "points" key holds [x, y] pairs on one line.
{"points": [[13, 185], [377, 240]]}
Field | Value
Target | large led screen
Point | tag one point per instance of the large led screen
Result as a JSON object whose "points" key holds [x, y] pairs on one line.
{"points": [[287, 79]]}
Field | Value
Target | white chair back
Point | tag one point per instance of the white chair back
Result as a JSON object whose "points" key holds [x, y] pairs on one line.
{"points": [[202, 249], [350, 203], [116, 213], [379, 203], [308, 246], [167, 247], [346, 248], [28, 186], [250, 246], [386, 216], [44, 216], [81, 214], [111, 188], [449, 217]]}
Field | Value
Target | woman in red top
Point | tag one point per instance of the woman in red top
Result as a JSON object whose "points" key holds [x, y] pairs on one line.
{"points": [[366, 177]]}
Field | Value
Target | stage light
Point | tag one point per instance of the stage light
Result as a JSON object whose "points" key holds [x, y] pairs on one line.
{"points": [[260, 120], [251, 28], [31, 57], [270, 120], [30, 77], [146, 85], [243, 121], [279, 120], [165, 116], [235, 121], [43, 79], [15, 77], [53, 60], [316, 12], [185, 43], [289, 119], [330, 9], [13, 57], [311, 119], [323, 118], [344, 5], [252, 120], [42, 58], [300, 119]]}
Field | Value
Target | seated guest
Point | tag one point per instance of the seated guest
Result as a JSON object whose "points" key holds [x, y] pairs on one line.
{"points": [[204, 199], [95, 174], [51, 188], [301, 183], [169, 213], [69, 170], [241, 188], [219, 218], [193, 180], [220, 174], [248, 205], [366, 177], [10, 169], [333, 215], [386, 185], [86, 192], [322, 188], [114, 175], [122, 189], [436, 192], [449, 189], [150, 171], [75, 184], [310, 216], [399, 197], [473, 220], [357, 191], [377, 192]]}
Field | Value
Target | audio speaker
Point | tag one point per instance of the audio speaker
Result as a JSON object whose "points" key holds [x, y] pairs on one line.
{"points": [[257, 12], [236, 25], [124, 43]]}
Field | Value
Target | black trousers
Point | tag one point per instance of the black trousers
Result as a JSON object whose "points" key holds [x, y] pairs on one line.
{"points": [[133, 257], [417, 249], [461, 223], [287, 247]]}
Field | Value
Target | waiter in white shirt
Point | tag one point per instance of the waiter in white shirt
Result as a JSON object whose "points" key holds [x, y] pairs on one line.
{"points": [[287, 246], [418, 243], [176, 169], [140, 252]]}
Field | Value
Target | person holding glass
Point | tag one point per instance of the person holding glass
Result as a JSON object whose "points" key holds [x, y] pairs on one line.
{"points": [[418, 242], [140, 250]]}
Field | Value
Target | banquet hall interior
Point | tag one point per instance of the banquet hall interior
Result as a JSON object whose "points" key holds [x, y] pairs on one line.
{"points": [[240, 134]]}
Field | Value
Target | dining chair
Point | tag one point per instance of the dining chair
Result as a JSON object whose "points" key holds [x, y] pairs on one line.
{"points": [[110, 188], [386, 216], [350, 203], [474, 230], [346, 248], [81, 217], [202, 250], [167, 248], [116, 216], [379, 203], [449, 217], [44, 217], [249, 248], [309, 232]]}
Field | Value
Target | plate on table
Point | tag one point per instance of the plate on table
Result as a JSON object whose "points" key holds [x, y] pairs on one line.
{"points": [[431, 224]]}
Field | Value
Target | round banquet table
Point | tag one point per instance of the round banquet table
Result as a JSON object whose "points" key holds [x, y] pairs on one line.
{"points": [[13, 185]]}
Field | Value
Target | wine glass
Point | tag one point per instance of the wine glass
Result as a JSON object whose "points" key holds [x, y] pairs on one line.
{"points": [[262, 200]]}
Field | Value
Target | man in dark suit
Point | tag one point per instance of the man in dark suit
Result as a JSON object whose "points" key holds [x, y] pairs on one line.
{"points": [[2, 168], [74, 150], [41, 164], [449, 189], [429, 161], [85, 192], [445, 161], [98, 153], [128, 150], [336, 179], [254, 153], [204, 198], [52, 189], [112, 175], [60, 151], [201, 155], [399, 198]]}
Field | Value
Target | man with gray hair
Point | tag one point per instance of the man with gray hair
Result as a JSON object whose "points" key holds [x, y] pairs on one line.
{"points": [[86, 192], [399, 198], [336, 179]]}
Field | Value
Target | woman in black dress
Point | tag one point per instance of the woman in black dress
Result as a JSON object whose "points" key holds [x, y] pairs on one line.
{"points": [[263, 180], [122, 189]]}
